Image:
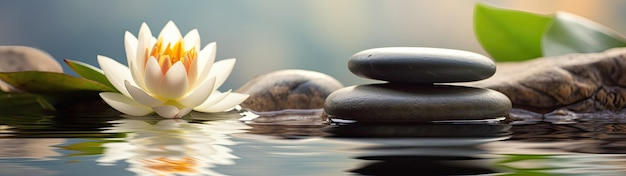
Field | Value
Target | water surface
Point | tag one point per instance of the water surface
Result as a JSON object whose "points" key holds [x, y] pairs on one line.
{"points": [[222, 144]]}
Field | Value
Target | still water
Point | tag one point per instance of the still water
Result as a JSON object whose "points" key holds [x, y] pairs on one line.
{"points": [[224, 144]]}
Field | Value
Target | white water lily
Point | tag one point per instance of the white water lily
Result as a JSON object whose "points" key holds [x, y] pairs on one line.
{"points": [[168, 75]]}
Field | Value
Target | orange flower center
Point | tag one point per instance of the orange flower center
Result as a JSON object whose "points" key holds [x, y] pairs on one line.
{"points": [[169, 55], [166, 165]]}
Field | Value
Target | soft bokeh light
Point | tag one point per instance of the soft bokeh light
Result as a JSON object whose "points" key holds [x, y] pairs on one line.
{"points": [[269, 35]]}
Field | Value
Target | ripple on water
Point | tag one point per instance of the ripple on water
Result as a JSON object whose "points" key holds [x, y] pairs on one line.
{"points": [[303, 139]]}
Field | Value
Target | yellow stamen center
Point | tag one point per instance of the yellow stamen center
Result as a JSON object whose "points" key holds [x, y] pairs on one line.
{"points": [[169, 55]]}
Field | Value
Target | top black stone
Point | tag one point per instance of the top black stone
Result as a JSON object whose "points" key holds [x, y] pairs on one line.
{"points": [[421, 65]]}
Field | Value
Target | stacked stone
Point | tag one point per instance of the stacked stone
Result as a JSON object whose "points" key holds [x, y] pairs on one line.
{"points": [[417, 87]]}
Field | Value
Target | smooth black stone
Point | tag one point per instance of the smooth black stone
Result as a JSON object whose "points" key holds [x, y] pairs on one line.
{"points": [[392, 102], [421, 65]]}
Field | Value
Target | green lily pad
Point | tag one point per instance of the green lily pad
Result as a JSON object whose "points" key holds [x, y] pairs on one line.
{"points": [[569, 33], [52, 83], [509, 35], [88, 71], [24, 103], [86, 148]]}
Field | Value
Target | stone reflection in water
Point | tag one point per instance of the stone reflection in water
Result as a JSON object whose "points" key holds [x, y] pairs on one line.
{"points": [[552, 158], [19, 169], [602, 137], [433, 148], [587, 146], [425, 165], [172, 146], [420, 130], [288, 124], [435, 160], [36, 148]]}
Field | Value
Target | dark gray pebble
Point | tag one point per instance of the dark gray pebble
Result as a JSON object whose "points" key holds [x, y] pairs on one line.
{"points": [[421, 65], [403, 103]]}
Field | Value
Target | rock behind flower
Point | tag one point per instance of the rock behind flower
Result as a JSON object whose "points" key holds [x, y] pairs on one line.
{"points": [[288, 89], [24, 58]]}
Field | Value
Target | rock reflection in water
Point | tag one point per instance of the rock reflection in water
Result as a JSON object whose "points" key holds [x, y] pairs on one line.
{"points": [[424, 165], [41, 149], [287, 124], [172, 146], [446, 148], [37, 148], [553, 158], [430, 130], [425, 148], [602, 137]]}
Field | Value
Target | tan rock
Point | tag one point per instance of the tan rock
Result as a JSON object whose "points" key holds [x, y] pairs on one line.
{"points": [[288, 89], [589, 82], [24, 58]]}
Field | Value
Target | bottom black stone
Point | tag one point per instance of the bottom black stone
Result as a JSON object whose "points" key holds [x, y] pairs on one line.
{"points": [[415, 103]]}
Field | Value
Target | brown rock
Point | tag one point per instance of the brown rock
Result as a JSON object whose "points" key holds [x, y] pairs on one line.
{"points": [[588, 82], [23, 58], [288, 89]]}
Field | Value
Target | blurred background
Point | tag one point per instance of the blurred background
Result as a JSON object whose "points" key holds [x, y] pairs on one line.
{"points": [[269, 35]]}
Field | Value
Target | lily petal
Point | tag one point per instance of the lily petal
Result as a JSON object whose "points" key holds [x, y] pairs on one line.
{"points": [[130, 45], [170, 33], [221, 70], [115, 72], [141, 96], [192, 39], [199, 95], [192, 74], [175, 82], [125, 104], [232, 100], [169, 111], [144, 44], [142, 51], [216, 97], [154, 76], [206, 57]]}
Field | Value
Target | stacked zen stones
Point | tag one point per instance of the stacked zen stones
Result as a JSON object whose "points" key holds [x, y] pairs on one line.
{"points": [[416, 89]]}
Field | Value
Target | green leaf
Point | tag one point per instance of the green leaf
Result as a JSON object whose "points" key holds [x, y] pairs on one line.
{"points": [[45, 104], [86, 148], [24, 103], [509, 35], [88, 71], [574, 34], [50, 82]]}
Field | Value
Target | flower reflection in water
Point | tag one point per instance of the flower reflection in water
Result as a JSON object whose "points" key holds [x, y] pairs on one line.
{"points": [[172, 146]]}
